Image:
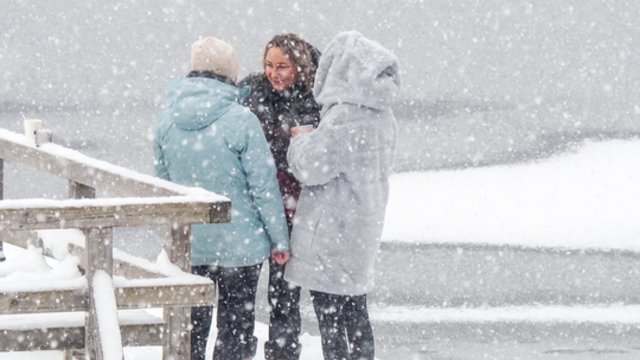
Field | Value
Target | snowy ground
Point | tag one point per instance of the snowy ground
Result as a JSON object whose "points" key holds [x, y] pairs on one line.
{"points": [[583, 200], [587, 199]]}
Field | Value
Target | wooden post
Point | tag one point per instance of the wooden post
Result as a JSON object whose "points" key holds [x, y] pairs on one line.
{"points": [[99, 257], [106, 319], [177, 336], [1, 197], [1, 179], [81, 191]]}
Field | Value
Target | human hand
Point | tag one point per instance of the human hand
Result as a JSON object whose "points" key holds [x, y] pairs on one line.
{"points": [[279, 257], [297, 130]]}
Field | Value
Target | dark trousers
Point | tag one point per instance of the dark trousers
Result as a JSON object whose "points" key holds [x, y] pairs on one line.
{"points": [[284, 317], [345, 330], [235, 314]]}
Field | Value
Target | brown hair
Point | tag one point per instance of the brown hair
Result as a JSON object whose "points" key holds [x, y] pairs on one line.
{"points": [[299, 52]]}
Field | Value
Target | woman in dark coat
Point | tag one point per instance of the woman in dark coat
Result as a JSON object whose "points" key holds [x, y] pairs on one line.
{"points": [[281, 97]]}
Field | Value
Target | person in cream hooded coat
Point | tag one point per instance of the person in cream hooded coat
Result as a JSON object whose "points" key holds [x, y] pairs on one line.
{"points": [[344, 167]]}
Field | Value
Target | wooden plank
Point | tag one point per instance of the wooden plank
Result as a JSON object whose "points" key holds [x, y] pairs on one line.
{"points": [[98, 243], [42, 339], [170, 295], [1, 197], [106, 319], [81, 191], [178, 246], [142, 335], [72, 338], [100, 213], [66, 331], [97, 177], [77, 167], [43, 301], [72, 319], [130, 297], [1, 179], [177, 333], [21, 238], [177, 336]]}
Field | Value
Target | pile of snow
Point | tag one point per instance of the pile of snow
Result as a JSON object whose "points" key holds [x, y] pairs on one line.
{"points": [[27, 269], [586, 199]]}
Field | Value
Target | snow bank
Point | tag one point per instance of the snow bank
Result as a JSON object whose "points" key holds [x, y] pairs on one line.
{"points": [[587, 199]]}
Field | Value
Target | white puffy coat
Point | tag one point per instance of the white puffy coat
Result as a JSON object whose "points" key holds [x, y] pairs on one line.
{"points": [[344, 167]]}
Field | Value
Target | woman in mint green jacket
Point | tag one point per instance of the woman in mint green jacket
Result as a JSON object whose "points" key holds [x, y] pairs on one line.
{"points": [[204, 138]]}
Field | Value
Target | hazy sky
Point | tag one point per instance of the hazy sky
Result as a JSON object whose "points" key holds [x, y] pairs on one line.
{"points": [[78, 51]]}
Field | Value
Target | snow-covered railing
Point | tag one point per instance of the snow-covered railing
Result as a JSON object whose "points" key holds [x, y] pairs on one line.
{"points": [[140, 200]]}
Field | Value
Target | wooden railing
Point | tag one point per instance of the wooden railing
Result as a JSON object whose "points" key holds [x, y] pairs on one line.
{"points": [[138, 200]]}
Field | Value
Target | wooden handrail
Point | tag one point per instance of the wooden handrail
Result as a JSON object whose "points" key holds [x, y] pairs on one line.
{"points": [[141, 200], [75, 166], [37, 214]]}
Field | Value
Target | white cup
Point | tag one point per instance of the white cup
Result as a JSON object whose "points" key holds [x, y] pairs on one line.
{"points": [[31, 126]]}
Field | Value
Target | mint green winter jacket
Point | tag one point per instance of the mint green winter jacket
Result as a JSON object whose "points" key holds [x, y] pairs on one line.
{"points": [[204, 138]]}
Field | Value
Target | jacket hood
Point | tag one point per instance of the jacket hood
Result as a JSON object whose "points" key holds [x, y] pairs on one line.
{"points": [[356, 70], [196, 102]]}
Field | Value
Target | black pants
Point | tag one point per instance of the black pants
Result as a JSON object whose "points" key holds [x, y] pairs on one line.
{"points": [[345, 330], [284, 317], [235, 314]]}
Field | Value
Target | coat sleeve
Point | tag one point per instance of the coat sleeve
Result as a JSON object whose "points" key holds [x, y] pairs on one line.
{"points": [[314, 158], [260, 171], [310, 114]]}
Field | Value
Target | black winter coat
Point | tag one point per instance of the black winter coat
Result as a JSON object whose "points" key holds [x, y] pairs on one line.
{"points": [[278, 112]]}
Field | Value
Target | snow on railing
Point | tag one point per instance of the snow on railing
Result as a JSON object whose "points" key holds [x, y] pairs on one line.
{"points": [[141, 200], [106, 316]]}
